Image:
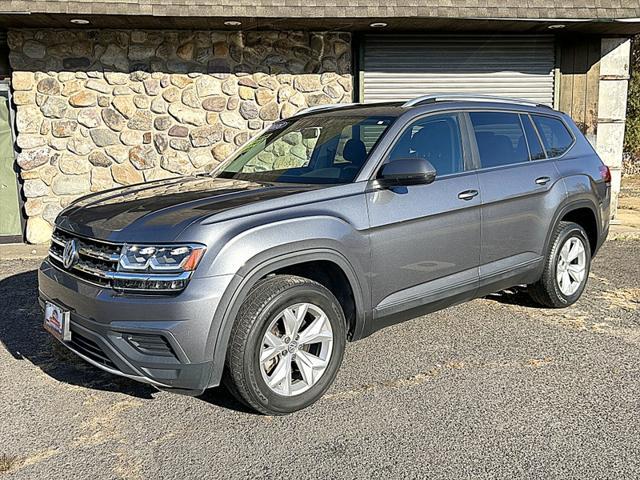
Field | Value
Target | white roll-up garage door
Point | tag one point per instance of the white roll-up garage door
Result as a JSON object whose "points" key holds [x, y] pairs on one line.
{"points": [[400, 67]]}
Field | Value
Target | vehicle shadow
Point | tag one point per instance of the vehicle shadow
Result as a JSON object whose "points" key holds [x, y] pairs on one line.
{"points": [[22, 335], [222, 397], [514, 296]]}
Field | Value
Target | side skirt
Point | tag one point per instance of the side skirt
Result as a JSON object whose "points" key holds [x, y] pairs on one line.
{"points": [[382, 321], [389, 313]]}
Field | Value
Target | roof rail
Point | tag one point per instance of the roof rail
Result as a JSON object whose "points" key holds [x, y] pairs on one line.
{"points": [[466, 97], [322, 107]]}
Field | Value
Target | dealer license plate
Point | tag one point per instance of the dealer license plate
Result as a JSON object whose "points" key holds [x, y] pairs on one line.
{"points": [[56, 321]]}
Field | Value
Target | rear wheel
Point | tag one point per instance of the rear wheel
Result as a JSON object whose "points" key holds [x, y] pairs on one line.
{"points": [[286, 345], [566, 268]]}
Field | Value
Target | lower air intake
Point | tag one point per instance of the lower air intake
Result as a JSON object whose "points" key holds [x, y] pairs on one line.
{"points": [[150, 344]]}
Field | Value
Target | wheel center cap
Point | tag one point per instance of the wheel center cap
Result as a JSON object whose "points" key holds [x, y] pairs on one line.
{"points": [[292, 347]]}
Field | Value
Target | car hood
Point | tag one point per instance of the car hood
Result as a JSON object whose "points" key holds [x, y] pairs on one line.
{"points": [[161, 210]]}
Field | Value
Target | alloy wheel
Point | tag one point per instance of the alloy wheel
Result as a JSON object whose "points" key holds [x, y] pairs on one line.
{"points": [[296, 349], [571, 266]]}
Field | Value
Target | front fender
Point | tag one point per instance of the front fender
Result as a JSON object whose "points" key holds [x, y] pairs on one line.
{"points": [[262, 242], [263, 249]]}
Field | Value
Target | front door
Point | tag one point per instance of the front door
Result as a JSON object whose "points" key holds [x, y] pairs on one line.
{"points": [[425, 239]]}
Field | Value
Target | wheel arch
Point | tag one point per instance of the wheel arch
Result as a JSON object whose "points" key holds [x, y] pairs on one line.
{"points": [[586, 218], [584, 213], [257, 269]]}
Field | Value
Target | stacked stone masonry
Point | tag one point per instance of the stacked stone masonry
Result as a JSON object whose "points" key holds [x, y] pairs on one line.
{"points": [[100, 109]]}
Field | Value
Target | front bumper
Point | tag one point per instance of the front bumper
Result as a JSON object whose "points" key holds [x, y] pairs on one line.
{"points": [[104, 322]]}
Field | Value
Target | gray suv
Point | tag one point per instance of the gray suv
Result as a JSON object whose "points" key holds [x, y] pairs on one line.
{"points": [[323, 229]]}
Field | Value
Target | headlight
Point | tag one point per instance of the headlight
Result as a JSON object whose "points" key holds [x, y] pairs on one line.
{"points": [[160, 259], [156, 269]]}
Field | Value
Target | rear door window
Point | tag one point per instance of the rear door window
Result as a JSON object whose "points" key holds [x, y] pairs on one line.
{"points": [[557, 139], [500, 138], [535, 148]]}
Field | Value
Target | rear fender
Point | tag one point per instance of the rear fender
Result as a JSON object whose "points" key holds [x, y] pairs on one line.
{"points": [[567, 206]]}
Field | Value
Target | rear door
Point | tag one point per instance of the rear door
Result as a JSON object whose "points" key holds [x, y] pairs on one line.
{"points": [[520, 188]]}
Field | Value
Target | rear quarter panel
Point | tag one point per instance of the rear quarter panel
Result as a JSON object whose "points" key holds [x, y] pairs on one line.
{"points": [[580, 170]]}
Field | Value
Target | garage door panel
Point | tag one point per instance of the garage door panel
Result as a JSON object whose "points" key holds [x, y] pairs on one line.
{"points": [[401, 67]]}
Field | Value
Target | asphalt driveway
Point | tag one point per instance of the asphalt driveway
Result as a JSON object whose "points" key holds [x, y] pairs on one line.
{"points": [[492, 389]]}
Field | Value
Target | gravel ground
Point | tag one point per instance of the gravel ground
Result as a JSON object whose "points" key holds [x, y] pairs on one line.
{"points": [[495, 388], [630, 186]]}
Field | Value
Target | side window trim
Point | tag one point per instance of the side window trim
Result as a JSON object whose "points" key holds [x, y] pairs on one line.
{"points": [[470, 135], [526, 139], [535, 129], [574, 140], [467, 154], [470, 153], [537, 133]]}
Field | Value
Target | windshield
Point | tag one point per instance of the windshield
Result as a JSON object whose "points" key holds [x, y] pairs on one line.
{"points": [[321, 148]]}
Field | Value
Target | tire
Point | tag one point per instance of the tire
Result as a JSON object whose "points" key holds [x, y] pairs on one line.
{"points": [[549, 291], [313, 365]]}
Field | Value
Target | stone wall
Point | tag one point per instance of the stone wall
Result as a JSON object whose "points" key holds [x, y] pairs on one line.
{"points": [[97, 109]]}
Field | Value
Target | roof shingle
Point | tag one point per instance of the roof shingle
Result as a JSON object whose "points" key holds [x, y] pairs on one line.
{"points": [[507, 9]]}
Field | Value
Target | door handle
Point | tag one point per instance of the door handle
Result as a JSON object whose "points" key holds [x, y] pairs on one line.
{"points": [[542, 180], [467, 194]]}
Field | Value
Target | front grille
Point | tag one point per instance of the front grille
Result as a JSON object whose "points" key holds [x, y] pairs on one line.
{"points": [[90, 349], [96, 259]]}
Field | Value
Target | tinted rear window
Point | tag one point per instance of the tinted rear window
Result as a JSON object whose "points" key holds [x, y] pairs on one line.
{"points": [[535, 149], [500, 138], [555, 135]]}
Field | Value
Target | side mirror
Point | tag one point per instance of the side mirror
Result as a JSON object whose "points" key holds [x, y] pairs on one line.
{"points": [[406, 171]]}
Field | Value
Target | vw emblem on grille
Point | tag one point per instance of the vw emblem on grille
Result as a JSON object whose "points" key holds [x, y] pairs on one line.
{"points": [[70, 254]]}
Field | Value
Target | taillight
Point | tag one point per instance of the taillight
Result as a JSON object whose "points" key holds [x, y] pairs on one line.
{"points": [[605, 173]]}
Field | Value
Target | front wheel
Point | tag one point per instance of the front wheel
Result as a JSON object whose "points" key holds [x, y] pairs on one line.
{"points": [[286, 345], [566, 268]]}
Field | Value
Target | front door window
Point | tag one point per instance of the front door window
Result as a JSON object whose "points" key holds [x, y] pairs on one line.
{"points": [[435, 138]]}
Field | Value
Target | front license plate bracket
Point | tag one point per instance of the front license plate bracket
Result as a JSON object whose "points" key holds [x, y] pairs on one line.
{"points": [[56, 321]]}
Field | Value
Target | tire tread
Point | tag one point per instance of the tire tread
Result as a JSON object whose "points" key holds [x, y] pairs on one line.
{"points": [[543, 291]]}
